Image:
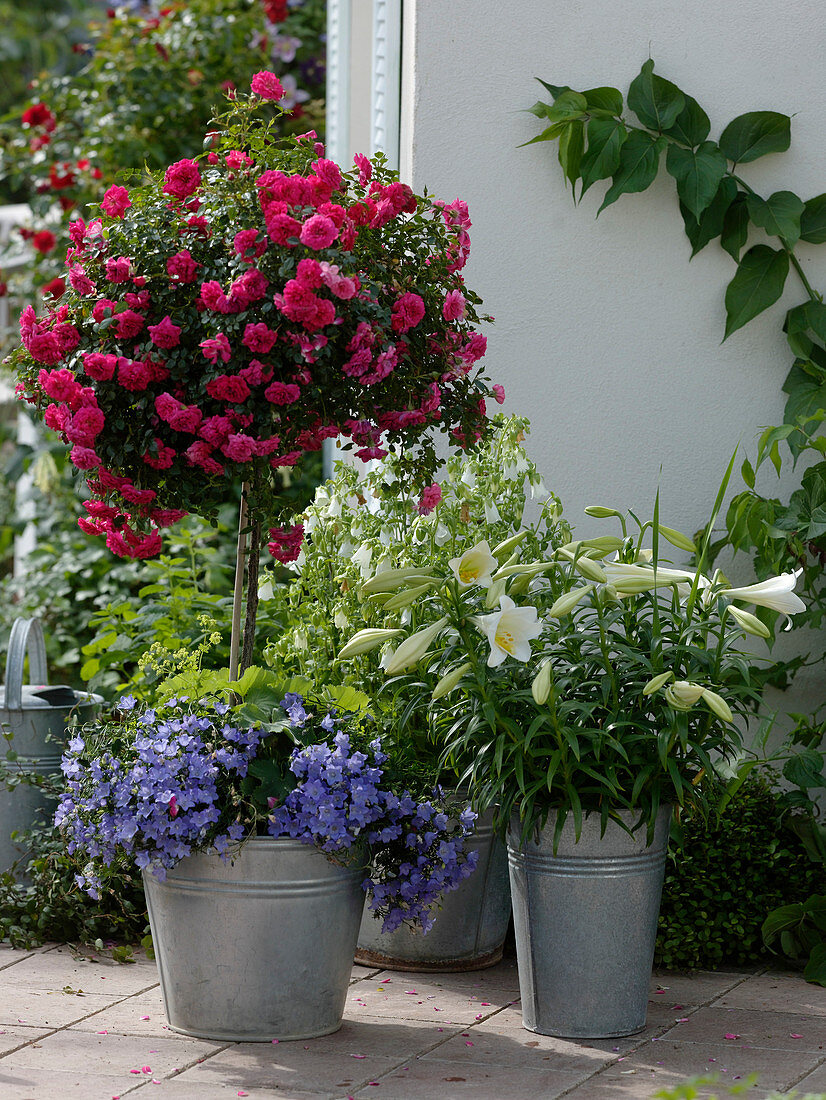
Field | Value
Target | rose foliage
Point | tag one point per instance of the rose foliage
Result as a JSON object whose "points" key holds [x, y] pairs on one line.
{"points": [[239, 310]]}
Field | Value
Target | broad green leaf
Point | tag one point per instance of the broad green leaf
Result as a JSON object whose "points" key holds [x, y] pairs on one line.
{"points": [[710, 224], [698, 173], [755, 134], [757, 284], [571, 144], [747, 473], [639, 161], [813, 220], [815, 968], [568, 105], [806, 396], [605, 99], [780, 919], [805, 768], [656, 102], [601, 159], [779, 215], [556, 90], [551, 134], [816, 318], [692, 125], [735, 227]]}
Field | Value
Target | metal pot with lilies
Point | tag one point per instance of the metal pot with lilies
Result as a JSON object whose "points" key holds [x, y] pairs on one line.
{"points": [[590, 697]]}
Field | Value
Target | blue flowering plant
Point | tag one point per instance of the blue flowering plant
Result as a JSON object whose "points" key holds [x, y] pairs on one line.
{"points": [[153, 786]]}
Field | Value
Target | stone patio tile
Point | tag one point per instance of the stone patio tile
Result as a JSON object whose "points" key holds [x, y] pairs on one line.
{"points": [[59, 968], [107, 1055], [660, 1062], [504, 976], [177, 1089], [126, 1017], [46, 1008], [485, 1045], [814, 1081], [763, 1029], [361, 972], [426, 1080], [786, 992], [419, 998], [697, 987], [12, 1037], [376, 1036], [287, 1067], [34, 1083]]}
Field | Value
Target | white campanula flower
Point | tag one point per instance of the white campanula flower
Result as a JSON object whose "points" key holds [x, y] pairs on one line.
{"points": [[491, 512], [509, 631], [475, 565], [362, 558]]}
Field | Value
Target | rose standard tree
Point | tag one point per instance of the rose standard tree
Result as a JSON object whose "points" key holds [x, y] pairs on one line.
{"points": [[237, 311]]}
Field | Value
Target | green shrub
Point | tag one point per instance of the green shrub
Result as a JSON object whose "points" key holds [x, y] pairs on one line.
{"points": [[727, 875]]}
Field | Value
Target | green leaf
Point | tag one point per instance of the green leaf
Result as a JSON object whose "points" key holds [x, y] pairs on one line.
{"points": [[710, 224], [571, 144], [556, 90], [692, 125], [604, 99], [656, 102], [779, 215], [639, 161], [816, 318], [781, 919], [815, 969], [755, 134], [747, 473], [698, 173], [551, 134], [806, 395], [735, 226], [601, 159], [813, 220], [805, 768], [757, 284]]}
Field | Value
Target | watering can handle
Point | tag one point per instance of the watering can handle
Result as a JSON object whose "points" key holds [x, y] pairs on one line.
{"points": [[26, 634]]}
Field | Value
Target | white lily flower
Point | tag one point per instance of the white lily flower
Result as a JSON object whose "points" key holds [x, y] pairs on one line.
{"points": [[491, 512], [619, 573], [474, 566], [683, 694], [509, 631], [776, 593], [748, 622]]}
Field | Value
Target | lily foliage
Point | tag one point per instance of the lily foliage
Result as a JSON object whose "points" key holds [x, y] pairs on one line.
{"points": [[603, 677]]}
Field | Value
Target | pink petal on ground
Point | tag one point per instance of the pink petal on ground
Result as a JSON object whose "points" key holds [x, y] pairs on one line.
{"points": [[103, 1033], [275, 1040], [682, 1020], [410, 992], [242, 1093], [146, 1069], [485, 1004], [358, 1055], [794, 1035], [144, 1017], [468, 1043], [730, 1035]]}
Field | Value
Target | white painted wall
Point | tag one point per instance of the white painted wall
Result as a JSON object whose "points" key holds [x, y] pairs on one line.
{"points": [[605, 335]]}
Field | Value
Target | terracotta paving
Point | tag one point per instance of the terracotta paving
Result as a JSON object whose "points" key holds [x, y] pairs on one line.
{"points": [[78, 1027]]}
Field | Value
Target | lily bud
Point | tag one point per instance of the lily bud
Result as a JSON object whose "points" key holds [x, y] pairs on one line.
{"points": [[656, 683], [449, 681], [590, 570], [521, 585], [407, 597], [391, 579], [541, 686], [366, 640], [508, 545], [568, 601], [414, 648], [494, 592], [601, 513], [718, 705], [748, 622], [683, 694], [678, 539]]}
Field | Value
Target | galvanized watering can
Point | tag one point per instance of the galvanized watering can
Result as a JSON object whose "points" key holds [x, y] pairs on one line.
{"points": [[33, 718]]}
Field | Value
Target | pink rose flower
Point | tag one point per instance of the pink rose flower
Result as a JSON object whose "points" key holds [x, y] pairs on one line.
{"points": [[229, 388], [215, 348], [79, 280], [286, 541], [248, 246], [281, 393], [133, 375], [499, 394], [182, 179], [454, 307], [237, 159], [239, 447], [267, 85], [259, 338], [129, 324], [164, 457], [282, 228], [365, 168], [84, 458], [118, 269], [181, 268], [115, 203], [98, 366], [318, 231], [407, 311], [165, 334]]}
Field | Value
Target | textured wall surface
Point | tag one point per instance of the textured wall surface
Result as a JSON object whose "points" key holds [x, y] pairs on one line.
{"points": [[605, 335]]}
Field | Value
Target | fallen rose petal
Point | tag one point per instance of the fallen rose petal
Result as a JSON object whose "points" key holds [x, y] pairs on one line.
{"points": [[144, 1017], [358, 1055], [794, 1035], [468, 1043], [730, 1035], [684, 1020]]}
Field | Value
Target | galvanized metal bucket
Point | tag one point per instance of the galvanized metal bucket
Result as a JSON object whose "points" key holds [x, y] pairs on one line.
{"points": [[33, 717], [585, 921], [469, 929], [259, 948]]}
